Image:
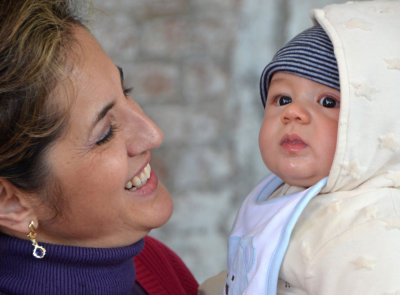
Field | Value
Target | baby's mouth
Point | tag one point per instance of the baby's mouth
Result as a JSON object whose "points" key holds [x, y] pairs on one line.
{"points": [[139, 180], [292, 143]]}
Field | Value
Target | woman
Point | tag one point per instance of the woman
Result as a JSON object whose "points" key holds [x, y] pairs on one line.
{"points": [[77, 193]]}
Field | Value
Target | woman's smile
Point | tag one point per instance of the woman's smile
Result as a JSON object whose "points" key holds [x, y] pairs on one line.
{"points": [[138, 181], [145, 184]]}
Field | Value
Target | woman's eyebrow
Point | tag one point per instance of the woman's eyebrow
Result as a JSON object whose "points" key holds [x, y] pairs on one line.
{"points": [[109, 106], [103, 112], [121, 75]]}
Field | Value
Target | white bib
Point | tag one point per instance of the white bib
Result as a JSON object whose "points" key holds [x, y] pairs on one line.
{"points": [[260, 237]]}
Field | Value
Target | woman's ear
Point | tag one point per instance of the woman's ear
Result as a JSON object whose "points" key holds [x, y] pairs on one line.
{"points": [[15, 213]]}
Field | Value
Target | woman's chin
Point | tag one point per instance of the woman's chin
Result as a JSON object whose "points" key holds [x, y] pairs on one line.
{"points": [[163, 208]]}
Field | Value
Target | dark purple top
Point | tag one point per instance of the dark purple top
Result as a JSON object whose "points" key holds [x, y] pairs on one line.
{"points": [[66, 269]]}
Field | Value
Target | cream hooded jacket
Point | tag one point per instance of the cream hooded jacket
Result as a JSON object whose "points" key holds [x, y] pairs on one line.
{"points": [[347, 239]]}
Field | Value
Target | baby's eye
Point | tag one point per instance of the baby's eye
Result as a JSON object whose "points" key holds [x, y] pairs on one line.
{"points": [[282, 100], [329, 102]]}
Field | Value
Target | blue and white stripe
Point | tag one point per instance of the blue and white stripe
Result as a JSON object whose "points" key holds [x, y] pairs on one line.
{"points": [[310, 55]]}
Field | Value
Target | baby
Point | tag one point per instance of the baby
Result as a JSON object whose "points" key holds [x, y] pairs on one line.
{"points": [[327, 220]]}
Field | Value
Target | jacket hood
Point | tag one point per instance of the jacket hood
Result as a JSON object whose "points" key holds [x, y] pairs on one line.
{"points": [[366, 41]]}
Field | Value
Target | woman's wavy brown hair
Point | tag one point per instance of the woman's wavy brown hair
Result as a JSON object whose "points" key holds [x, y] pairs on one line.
{"points": [[35, 37]]}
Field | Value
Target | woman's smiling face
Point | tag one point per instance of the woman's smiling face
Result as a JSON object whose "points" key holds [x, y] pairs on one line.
{"points": [[106, 145]]}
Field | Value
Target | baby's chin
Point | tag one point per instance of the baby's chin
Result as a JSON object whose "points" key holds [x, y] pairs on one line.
{"points": [[301, 182]]}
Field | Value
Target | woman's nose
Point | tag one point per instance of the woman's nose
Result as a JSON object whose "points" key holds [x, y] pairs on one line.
{"points": [[295, 112], [143, 134]]}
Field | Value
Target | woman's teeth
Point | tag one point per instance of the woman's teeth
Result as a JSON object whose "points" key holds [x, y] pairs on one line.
{"points": [[139, 180]]}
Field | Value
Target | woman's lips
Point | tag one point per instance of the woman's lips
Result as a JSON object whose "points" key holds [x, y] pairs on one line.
{"points": [[292, 143], [147, 188], [143, 183], [140, 179]]}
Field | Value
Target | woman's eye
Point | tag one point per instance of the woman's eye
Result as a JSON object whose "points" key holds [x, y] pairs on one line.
{"points": [[282, 100], [107, 137], [127, 91], [329, 102]]}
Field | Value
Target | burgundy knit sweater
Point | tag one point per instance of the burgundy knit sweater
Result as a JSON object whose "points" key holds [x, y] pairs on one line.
{"points": [[161, 272]]}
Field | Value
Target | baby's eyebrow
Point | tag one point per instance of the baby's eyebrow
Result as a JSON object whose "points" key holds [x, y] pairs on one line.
{"points": [[276, 79]]}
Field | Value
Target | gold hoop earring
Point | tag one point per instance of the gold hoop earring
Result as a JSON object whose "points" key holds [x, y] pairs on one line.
{"points": [[38, 251]]}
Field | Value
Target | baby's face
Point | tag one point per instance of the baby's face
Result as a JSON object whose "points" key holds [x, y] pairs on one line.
{"points": [[298, 134]]}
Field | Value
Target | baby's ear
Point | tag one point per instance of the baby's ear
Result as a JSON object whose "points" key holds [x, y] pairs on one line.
{"points": [[15, 213]]}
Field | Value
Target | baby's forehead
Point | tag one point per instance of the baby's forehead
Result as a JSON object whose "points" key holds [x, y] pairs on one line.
{"points": [[282, 78], [310, 55]]}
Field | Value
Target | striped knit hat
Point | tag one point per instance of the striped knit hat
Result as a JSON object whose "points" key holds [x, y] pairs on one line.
{"points": [[309, 55]]}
